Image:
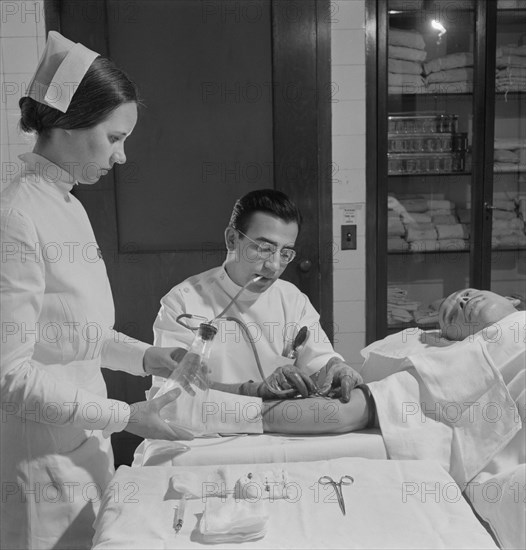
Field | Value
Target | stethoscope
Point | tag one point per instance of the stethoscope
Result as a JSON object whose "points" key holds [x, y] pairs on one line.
{"points": [[241, 324]]}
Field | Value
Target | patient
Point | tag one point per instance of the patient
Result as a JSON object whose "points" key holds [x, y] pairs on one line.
{"points": [[431, 407]]}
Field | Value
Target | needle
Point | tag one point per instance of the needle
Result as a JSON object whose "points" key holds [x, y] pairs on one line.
{"points": [[179, 515]]}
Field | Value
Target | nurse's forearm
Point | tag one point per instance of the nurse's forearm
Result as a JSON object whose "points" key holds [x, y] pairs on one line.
{"points": [[316, 415]]}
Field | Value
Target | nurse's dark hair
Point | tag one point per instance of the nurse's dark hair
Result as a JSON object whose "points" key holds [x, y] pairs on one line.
{"points": [[103, 88], [270, 201]]}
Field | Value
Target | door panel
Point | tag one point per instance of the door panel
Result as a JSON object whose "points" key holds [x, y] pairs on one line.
{"points": [[231, 104]]}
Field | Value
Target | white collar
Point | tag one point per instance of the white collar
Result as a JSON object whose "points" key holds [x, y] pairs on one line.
{"points": [[48, 171], [232, 288]]}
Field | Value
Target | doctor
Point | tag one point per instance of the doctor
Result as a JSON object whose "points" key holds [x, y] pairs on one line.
{"points": [[57, 309], [260, 241]]}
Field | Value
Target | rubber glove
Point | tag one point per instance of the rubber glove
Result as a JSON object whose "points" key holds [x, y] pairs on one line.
{"points": [[338, 379], [289, 378]]}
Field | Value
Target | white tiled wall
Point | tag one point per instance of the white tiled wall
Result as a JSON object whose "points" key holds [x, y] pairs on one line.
{"points": [[348, 155], [22, 40]]}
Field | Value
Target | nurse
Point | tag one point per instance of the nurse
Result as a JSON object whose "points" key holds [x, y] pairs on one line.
{"points": [[57, 309]]}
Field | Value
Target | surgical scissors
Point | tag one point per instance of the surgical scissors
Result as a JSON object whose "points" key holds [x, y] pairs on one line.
{"points": [[344, 480]]}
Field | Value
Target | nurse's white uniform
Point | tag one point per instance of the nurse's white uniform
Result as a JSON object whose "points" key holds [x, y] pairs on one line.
{"points": [[57, 318]]}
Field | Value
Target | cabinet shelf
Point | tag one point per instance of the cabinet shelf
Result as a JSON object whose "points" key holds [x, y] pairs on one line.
{"points": [[426, 252], [420, 174], [443, 252]]}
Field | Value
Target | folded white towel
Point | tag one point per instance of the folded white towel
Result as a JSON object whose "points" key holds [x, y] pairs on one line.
{"points": [[504, 204], [406, 89], [405, 79], [510, 61], [410, 54], [445, 219], [461, 87], [442, 204], [414, 205], [416, 234], [428, 245], [511, 49], [509, 143], [451, 61], [397, 244], [404, 66], [395, 227], [503, 215], [456, 231], [505, 226], [451, 75], [406, 38], [416, 217], [231, 520], [503, 155], [440, 211]]}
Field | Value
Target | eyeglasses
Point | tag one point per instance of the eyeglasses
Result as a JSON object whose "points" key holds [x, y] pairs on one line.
{"points": [[265, 251]]}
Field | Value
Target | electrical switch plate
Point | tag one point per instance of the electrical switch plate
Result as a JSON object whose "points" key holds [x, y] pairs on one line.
{"points": [[348, 237]]}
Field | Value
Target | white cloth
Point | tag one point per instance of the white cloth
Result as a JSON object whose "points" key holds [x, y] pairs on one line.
{"points": [[497, 456], [57, 315], [212, 412], [498, 493], [436, 406], [273, 318], [262, 448], [391, 504]]}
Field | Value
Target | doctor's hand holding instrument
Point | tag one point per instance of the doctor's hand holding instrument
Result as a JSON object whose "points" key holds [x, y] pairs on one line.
{"points": [[292, 377], [337, 379]]}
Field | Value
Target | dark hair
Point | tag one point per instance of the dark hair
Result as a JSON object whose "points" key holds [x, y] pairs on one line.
{"points": [[103, 88], [270, 201]]}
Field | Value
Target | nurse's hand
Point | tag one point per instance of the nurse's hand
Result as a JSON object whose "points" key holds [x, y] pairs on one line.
{"points": [[162, 361], [145, 420], [337, 379]]}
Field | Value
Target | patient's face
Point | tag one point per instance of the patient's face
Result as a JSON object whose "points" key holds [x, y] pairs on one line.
{"points": [[468, 311]]}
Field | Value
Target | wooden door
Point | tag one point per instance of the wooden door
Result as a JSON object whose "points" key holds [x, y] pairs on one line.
{"points": [[235, 98]]}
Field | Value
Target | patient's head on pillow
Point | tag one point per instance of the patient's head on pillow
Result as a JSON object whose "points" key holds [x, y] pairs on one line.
{"points": [[468, 311]]}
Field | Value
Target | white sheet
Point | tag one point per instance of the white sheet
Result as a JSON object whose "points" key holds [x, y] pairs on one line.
{"points": [[498, 491], [251, 449], [392, 504]]}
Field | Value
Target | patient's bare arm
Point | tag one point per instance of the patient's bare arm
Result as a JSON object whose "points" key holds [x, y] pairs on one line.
{"points": [[316, 415]]}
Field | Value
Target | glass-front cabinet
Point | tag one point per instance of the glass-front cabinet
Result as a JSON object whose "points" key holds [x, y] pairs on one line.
{"points": [[446, 176], [508, 199]]}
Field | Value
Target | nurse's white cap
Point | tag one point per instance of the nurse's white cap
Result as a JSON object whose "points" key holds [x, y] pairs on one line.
{"points": [[60, 71]]}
